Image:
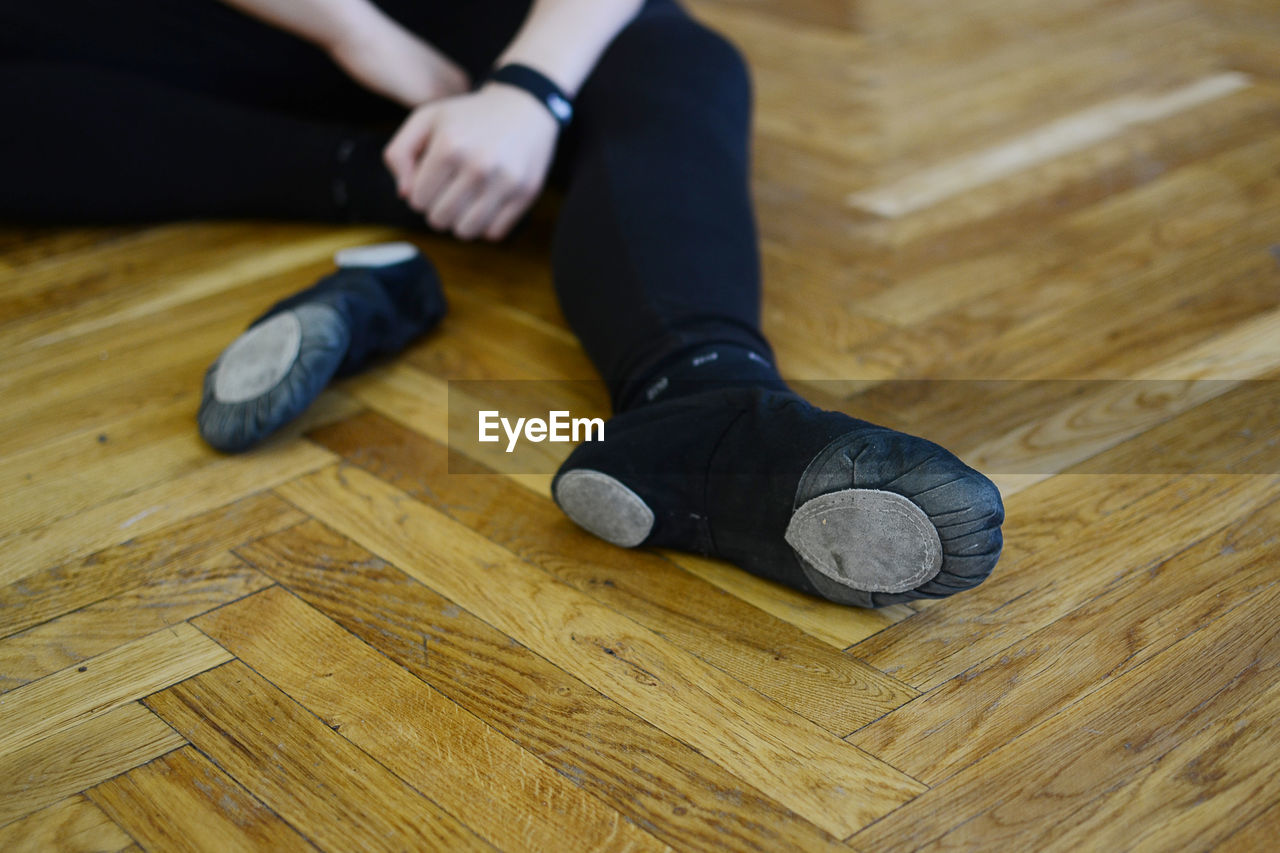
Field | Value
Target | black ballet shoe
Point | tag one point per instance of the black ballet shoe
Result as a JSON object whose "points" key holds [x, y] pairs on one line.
{"points": [[827, 504], [378, 301]]}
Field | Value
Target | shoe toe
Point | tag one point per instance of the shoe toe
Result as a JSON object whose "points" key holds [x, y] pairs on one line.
{"points": [[269, 375]]}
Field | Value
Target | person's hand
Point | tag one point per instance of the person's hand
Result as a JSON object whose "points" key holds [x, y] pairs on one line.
{"points": [[384, 57], [473, 164]]}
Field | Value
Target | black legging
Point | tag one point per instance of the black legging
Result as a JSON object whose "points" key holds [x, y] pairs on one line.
{"points": [[161, 110]]}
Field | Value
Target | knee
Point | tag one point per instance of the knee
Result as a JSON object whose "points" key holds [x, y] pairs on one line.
{"points": [[665, 50]]}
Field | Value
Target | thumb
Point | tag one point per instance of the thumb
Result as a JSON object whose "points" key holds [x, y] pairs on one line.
{"points": [[402, 152]]}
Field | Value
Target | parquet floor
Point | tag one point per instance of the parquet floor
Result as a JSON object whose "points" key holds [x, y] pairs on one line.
{"points": [[1043, 233]]}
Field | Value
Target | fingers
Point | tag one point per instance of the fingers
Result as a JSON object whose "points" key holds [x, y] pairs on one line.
{"points": [[477, 217], [470, 166], [439, 167], [468, 197], [507, 216], [402, 152], [457, 198]]}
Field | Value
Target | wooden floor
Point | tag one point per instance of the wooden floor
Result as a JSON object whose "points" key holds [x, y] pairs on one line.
{"points": [[1043, 232]]}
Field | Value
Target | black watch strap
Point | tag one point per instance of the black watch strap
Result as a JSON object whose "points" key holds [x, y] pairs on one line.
{"points": [[540, 86]]}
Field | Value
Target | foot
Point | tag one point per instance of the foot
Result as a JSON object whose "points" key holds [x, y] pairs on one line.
{"points": [[380, 299], [827, 504]]}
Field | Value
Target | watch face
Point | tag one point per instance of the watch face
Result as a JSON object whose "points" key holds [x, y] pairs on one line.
{"points": [[559, 107]]}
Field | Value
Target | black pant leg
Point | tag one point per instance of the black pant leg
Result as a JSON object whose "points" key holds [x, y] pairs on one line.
{"points": [[83, 144], [200, 46], [655, 250]]}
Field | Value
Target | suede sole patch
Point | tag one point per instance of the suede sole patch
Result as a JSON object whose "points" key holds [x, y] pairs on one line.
{"points": [[603, 506], [257, 360], [866, 539]]}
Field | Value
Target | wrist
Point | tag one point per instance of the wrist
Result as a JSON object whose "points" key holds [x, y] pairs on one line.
{"points": [[536, 85]]}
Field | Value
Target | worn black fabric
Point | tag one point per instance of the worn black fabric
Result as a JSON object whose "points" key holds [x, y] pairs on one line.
{"points": [[375, 313], [701, 369], [157, 110], [384, 308], [723, 470]]}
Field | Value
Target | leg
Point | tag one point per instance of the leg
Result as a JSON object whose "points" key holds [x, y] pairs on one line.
{"points": [[656, 264], [163, 110], [200, 46], [655, 251], [101, 145]]}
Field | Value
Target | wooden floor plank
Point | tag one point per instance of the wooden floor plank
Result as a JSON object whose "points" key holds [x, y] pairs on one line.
{"points": [[1257, 834], [660, 783], [301, 769], [839, 789], [85, 471], [420, 402], [1114, 236], [834, 690], [1120, 629], [215, 484], [1093, 280], [182, 801], [1101, 742], [200, 539], [91, 268], [125, 293], [1112, 412], [73, 825], [22, 248], [1018, 228], [1207, 786], [1065, 135], [1054, 534], [73, 696], [158, 603], [379, 707], [36, 775], [835, 624]]}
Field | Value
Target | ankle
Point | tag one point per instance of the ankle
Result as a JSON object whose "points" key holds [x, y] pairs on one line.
{"points": [[703, 368]]}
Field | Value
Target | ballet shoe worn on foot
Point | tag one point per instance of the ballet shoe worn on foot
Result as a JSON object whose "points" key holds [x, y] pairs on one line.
{"points": [[833, 506], [379, 300]]}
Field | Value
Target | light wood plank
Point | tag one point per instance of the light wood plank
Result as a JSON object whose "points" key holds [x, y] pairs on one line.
{"points": [[1036, 677], [158, 603], [826, 781], [78, 474], [419, 402], [1072, 255], [22, 248], [73, 825], [101, 684], [182, 801], [1063, 136], [38, 774], [658, 782], [475, 773], [168, 502], [191, 544], [1210, 783], [91, 268], [837, 692], [835, 624], [1116, 411], [303, 770], [176, 278], [1257, 834], [1104, 741], [1054, 534]]}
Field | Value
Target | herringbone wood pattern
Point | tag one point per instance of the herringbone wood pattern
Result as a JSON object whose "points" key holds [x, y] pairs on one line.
{"points": [[994, 223]]}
